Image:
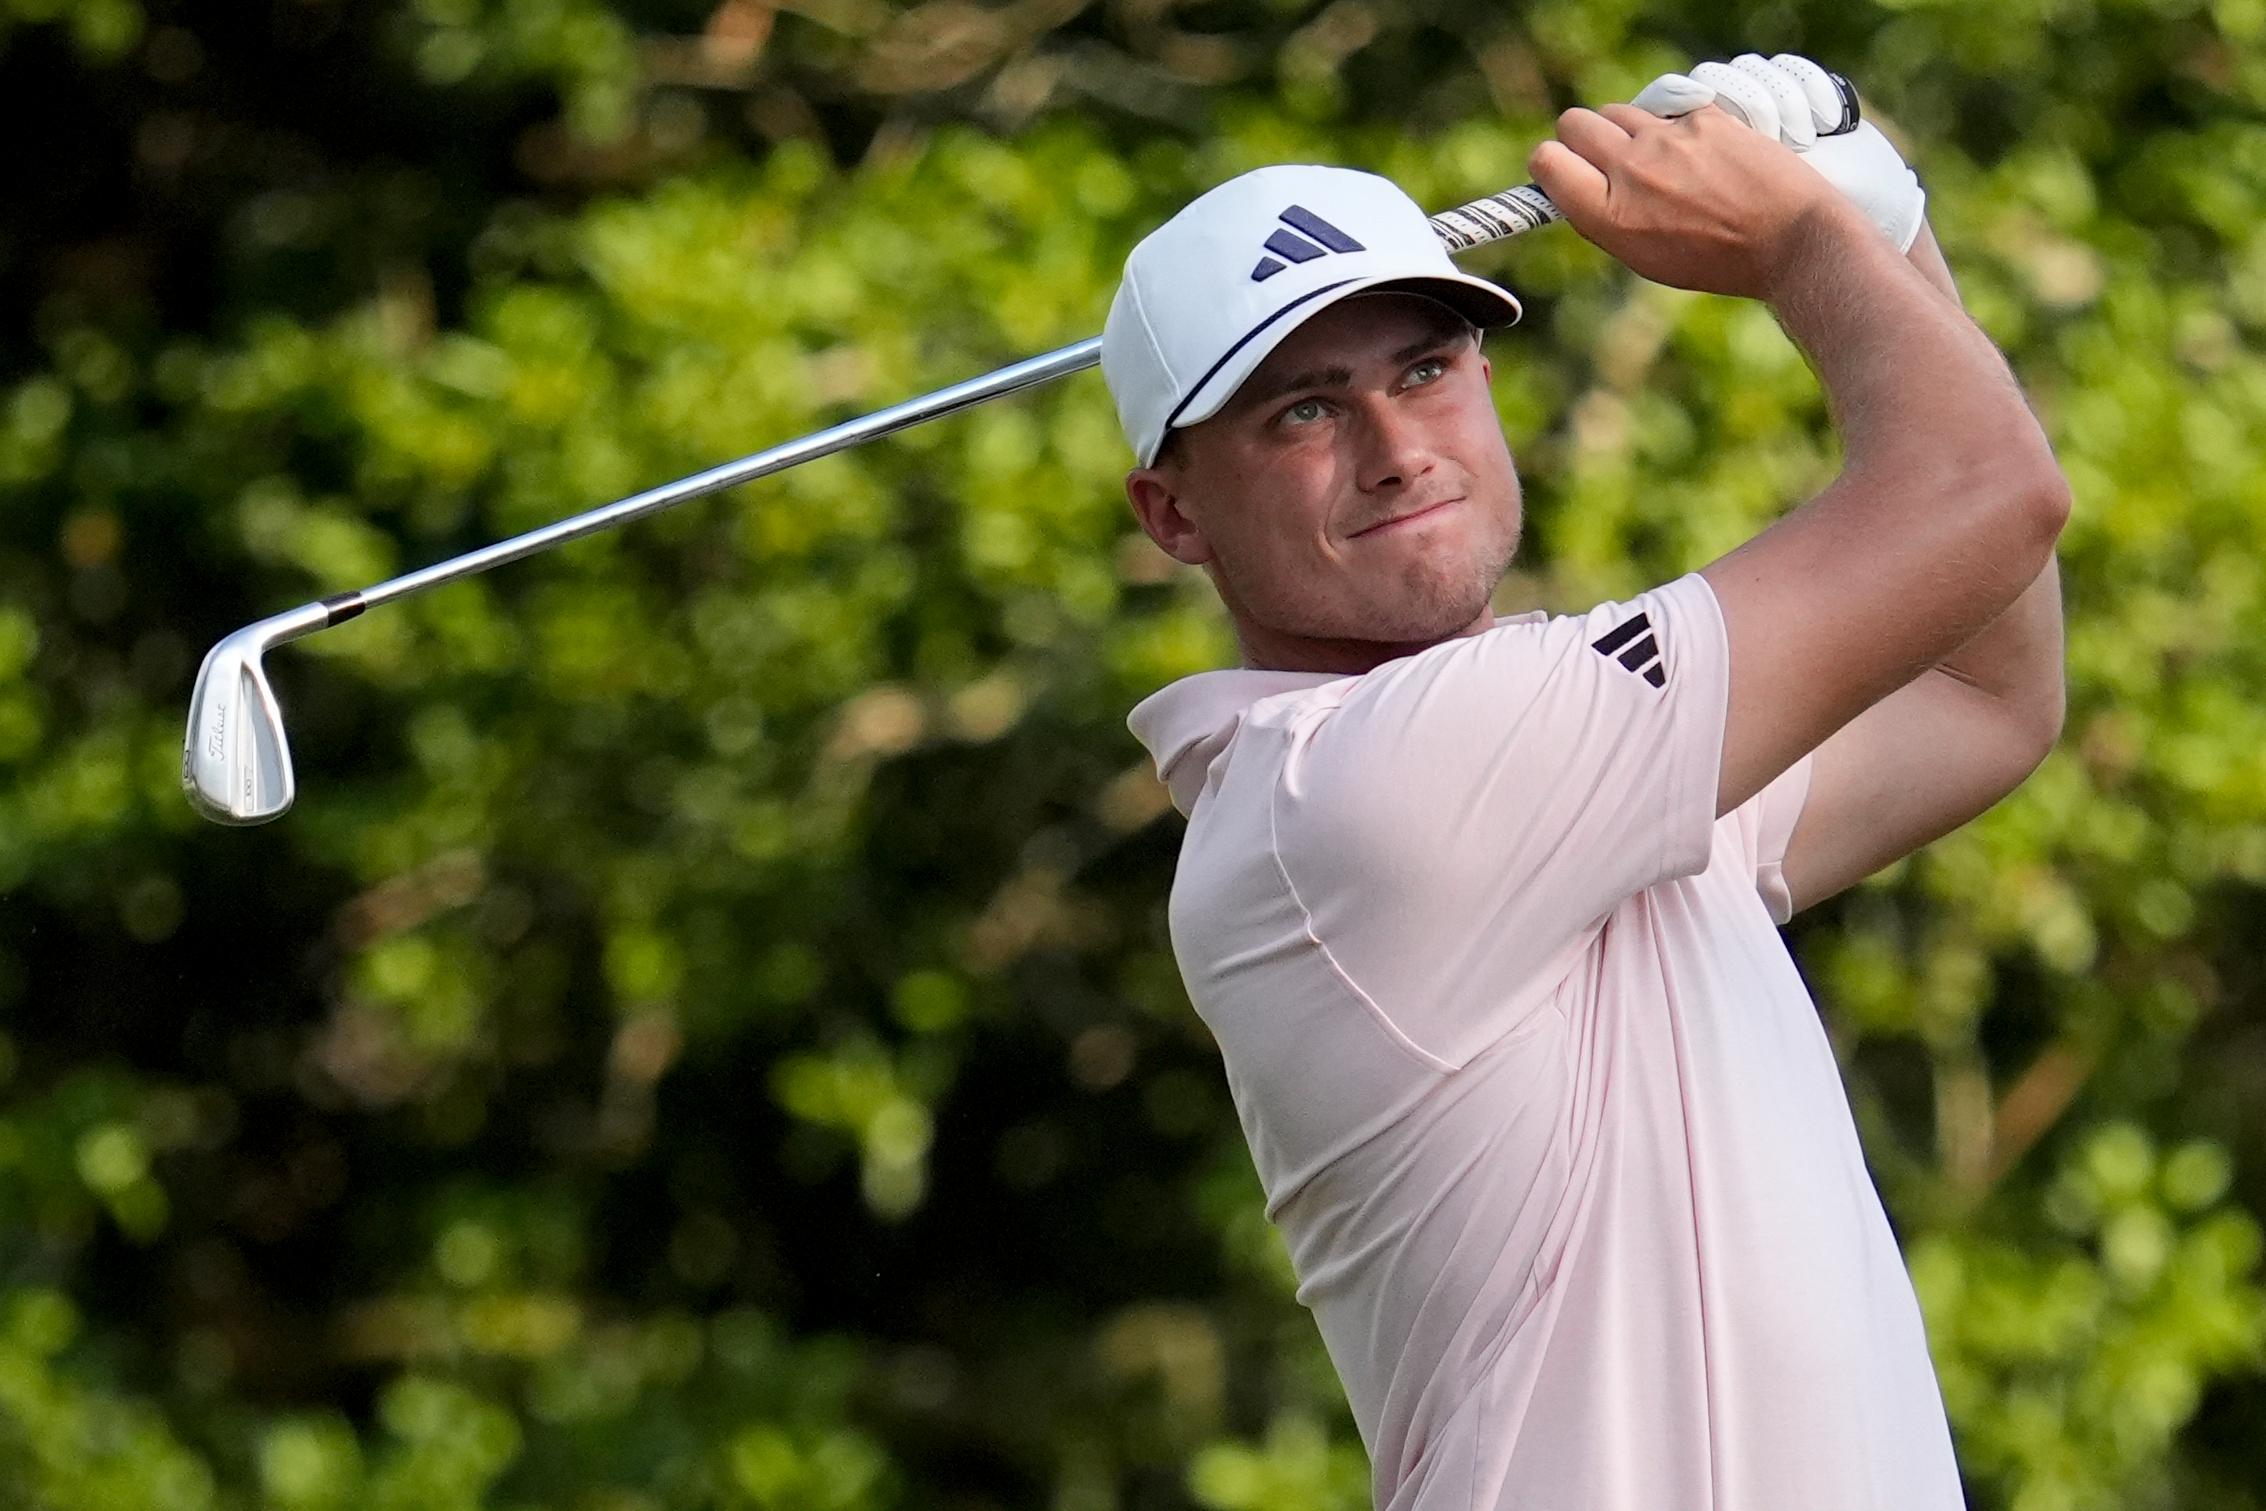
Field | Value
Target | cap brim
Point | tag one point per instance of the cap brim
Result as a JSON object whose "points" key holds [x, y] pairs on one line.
{"points": [[1482, 303]]}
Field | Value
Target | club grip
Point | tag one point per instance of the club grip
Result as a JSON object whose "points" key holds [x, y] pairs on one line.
{"points": [[1514, 212]]}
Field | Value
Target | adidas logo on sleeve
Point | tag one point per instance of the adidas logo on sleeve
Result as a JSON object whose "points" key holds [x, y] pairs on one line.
{"points": [[1632, 644]]}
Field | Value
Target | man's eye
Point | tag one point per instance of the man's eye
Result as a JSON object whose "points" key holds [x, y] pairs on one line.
{"points": [[1305, 411], [1426, 370]]}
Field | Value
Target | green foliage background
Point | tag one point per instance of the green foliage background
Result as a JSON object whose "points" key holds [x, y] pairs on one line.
{"points": [[707, 1036]]}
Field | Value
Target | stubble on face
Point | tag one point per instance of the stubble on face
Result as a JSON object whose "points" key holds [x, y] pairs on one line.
{"points": [[1285, 504], [1421, 597]]}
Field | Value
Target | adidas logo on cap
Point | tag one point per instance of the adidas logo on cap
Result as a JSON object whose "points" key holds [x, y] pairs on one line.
{"points": [[1292, 247]]}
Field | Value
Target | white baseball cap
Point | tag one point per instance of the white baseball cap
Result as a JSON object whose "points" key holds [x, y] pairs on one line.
{"points": [[1208, 294]]}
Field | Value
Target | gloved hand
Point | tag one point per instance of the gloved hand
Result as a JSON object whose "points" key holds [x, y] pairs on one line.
{"points": [[1792, 99]]}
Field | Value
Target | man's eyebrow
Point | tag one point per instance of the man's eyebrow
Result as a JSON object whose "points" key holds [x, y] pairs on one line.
{"points": [[1441, 335], [1317, 377]]}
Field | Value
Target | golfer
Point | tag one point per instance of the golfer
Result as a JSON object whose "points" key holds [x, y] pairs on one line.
{"points": [[1483, 911]]}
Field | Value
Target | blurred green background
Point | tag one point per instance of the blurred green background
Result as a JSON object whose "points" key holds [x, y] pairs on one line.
{"points": [[707, 1036]]}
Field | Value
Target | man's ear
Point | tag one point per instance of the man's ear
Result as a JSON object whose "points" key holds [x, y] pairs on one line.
{"points": [[1154, 494]]}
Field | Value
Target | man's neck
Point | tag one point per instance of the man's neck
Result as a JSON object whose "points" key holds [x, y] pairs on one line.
{"points": [[1266, 650]]}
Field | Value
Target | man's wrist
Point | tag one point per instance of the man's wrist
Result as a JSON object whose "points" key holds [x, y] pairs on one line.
{"points": [[1826, 246]]}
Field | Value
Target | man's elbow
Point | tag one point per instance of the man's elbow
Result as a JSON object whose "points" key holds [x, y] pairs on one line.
{"points": [[2041, 725], [2010, 503], [2033, 715], [2046, 503], [2034, 497], [2012, 740]]}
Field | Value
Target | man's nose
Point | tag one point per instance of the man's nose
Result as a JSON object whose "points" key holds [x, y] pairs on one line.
{"points": [[1394, 450]]}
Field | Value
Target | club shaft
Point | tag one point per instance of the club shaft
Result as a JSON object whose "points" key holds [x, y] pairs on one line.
{"points": [[1027, 373], [1510, 213]]}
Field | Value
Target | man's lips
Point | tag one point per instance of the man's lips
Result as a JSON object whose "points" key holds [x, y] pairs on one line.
{"points": [[1403, 519]]}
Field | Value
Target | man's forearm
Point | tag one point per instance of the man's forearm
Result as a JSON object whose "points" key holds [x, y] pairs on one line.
{"points": [[2017, 658], [1941, 451], [1912, 381]]}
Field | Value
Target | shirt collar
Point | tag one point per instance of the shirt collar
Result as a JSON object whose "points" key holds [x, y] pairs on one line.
{"points": [[1189, 724]]}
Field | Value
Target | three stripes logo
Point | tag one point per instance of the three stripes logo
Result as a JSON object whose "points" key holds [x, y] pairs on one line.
{"points": [[1319, 239], [1630, 642]]}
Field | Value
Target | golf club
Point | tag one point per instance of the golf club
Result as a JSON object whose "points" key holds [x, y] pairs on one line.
{"points": [[235, 762]]}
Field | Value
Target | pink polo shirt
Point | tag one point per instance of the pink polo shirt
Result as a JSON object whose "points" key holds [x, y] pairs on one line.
{"points": [[1538, 1100]]}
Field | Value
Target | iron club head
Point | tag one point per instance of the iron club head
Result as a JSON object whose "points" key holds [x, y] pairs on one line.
{"points": [[235, 762]]}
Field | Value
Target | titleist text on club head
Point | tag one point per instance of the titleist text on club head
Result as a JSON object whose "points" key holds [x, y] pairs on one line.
{"points": [[235, 762]]}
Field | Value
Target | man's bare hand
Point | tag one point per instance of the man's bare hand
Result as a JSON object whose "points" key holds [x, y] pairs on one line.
{"points": [[1700, 202]]}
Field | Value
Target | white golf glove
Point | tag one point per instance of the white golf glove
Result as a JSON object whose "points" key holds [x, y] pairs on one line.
{"points": [[1794, 100]]}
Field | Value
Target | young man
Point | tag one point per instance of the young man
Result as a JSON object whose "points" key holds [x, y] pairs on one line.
{"points": [[1482, 912]]}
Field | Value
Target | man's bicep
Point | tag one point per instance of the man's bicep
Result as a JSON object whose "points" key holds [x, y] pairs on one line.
{"points": [[1812, 645], [1916, 547], [1915, 766]]}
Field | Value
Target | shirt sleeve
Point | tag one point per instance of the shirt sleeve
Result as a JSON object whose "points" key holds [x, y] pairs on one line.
{"points": [[1457, 824]]}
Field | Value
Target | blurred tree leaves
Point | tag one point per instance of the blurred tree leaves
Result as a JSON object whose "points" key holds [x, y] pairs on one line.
{"points": [[707, 1036]]}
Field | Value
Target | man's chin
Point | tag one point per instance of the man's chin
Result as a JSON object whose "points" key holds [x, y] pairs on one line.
{"points": [[1415, 628], [1425, 608], [1442, 614]]}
